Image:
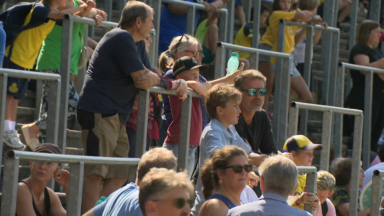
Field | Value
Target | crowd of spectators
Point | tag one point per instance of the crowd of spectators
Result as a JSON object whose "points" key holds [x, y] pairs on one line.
{"points": [[230, 129]]}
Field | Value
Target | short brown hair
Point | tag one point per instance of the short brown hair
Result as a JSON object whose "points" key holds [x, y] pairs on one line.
{"points": [[308, 4], [249, 74], [325, 181], [343, 171], [220, 95], [364, 30], [133, 10], [160, 181], [156, 157]]}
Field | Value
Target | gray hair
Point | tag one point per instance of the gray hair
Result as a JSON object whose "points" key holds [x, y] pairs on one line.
{"points": [[279, 174], [184, 44], [132, 11]]}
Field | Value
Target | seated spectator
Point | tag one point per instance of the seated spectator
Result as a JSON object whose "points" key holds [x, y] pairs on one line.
{"points": [[207, 32], [224, 180], [302, 152], [254, 124], [125, 201], [340, 197], [165, 193], [33, 195], [366, 53], [325, 185], [222, 104], [278, 179], [369, 172]]}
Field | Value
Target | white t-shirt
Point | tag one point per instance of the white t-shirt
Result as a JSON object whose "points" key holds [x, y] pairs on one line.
{"points": [[369, 172], [248, 195]]}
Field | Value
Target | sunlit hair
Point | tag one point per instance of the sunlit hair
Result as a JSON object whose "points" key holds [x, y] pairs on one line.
{"points": [[325, 181], [132, 11], [249, 74], [220, 95]]}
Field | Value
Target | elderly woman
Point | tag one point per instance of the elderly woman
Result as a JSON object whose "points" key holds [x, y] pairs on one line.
{"points": [[366, 53], [33, 195]]}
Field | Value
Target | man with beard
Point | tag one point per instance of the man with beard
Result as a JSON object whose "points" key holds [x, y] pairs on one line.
{"points": [[254, 125]]}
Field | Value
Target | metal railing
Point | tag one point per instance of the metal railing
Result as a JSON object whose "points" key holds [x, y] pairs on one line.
{"points": [[377, 182], [282, 83], [326, 140], [368, 94], [13, 158], [53, 100], [192, 7]]}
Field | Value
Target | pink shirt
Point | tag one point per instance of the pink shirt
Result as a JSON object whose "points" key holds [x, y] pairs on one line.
{"points": [[331, 209]]}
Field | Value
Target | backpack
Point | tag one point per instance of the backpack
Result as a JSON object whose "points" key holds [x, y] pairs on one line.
{"points": [[13, 20]]}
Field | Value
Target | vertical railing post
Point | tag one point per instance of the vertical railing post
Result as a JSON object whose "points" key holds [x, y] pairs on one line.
{"points": [[256, 30], [338, 126], [185, 125], [293, 122], [9, 184], [75, 189], [191, 20], [53, 119], [39, 93], [82, 72], [152, 50], [354, 188], [231, 20], [377, 181], [108, 9], [247, 9], [311, 184], [334, 64], [374, 10], [142, 117], [65, 72], [156, 22], [326, 140], [3, 96], [219, 61], [367, 120], [223, 26], [253, 60], [352, 35]]}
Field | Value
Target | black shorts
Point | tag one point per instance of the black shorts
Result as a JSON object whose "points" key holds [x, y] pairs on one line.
{"points": [[16, 87]]}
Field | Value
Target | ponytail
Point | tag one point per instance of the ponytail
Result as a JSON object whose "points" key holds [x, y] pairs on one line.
{"points": [[209, 179], [165, 60]]}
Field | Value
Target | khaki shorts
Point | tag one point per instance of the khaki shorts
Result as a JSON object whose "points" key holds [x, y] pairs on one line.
{"points": [[105, 136]]}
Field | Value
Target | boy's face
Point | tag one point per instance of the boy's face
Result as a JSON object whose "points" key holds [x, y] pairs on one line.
{"points": [[323, 195], [189, 75], [231, 112], [263, 18], [303, 157]]}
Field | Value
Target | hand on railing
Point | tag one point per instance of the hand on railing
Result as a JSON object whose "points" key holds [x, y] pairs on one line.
{"points": [[180, 86]]}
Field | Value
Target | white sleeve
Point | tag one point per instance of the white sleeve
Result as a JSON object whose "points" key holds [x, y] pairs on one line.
{"points": [[248, 195]]}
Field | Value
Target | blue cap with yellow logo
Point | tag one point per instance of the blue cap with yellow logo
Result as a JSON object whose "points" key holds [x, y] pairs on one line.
{"points": [[300, 142], [186, 63]]}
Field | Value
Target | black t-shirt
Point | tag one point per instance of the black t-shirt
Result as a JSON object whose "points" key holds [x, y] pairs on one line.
{"points": [[357, 77], [259, 135], [108, 86]]}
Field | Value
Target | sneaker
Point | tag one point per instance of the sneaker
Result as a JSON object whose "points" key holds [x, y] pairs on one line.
{"points": [[32, 143], [11, 139]]}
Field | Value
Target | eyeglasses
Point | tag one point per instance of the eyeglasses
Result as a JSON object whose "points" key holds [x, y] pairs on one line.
{"points": [[179, 202], [238, 168], [252, 92], [181, 38], [195, 54]]}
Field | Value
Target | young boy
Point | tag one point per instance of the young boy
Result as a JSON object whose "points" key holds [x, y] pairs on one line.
{"points": [[302, 149], [222, 104], [325, 184]]}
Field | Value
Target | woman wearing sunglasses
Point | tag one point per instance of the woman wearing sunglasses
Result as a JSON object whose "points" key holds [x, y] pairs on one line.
{"points": [[224, 177]]}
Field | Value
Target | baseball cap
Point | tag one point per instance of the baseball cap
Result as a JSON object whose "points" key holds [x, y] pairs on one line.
{"points": [[300, 142], [186, 63], [48, 148]]}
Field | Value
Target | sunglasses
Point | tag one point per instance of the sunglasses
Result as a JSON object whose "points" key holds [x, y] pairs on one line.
{"points": [[195, 54], [238, 168], [181, 38], [252, 92], [180, 202]]}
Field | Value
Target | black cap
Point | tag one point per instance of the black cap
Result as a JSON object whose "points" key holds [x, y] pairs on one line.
{"points": [[186, 63]]}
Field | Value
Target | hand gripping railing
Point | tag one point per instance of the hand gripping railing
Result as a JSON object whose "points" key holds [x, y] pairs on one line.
{"points": [[326, 140], [367, 104], [53, 100], [377, 182], [192, 7], [281, 97], [76, 163]]}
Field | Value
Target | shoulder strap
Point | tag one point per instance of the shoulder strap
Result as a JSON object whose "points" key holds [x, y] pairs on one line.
{"points": [[224, 199], [33, 201], [324, 208], [47, 202]]}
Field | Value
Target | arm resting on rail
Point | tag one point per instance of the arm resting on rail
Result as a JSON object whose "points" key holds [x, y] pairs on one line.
{"points": [[363, 60]]}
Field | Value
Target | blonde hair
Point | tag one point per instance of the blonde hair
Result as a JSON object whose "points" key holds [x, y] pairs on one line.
{"points": [[158, 182], [364, 31], [309, 5], [220, 95], [249, 74], [325, 181], [156, 157]]}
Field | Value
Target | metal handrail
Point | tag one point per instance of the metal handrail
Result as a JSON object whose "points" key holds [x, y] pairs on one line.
{"points": [[362, 68], [377, 182], [191, 4], [10, 183], [326, 140], [316, 27]]}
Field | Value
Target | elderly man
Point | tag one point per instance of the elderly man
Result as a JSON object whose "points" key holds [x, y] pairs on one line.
{"points": [[254, 125], [116, 71], [278, 179]]}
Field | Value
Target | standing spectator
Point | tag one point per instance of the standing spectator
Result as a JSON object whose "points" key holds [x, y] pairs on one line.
{"points": [[224, 178], [33, 195], [115, 74], [125, 201], [278, 179], [254, 124], [49, 61], [366, 53], [325, 185], [21, 55], [340, 197], [165, 193]]}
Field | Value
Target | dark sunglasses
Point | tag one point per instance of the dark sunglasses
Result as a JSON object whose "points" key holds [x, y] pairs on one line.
{"points": [[253, 91], [180, 202], [181, 38], [238, 168]]}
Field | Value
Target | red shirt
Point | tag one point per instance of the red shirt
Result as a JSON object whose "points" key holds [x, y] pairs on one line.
{"points": [[173, 133]]}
